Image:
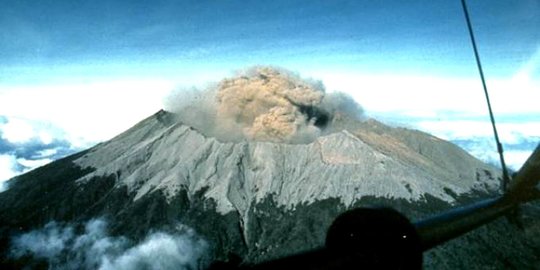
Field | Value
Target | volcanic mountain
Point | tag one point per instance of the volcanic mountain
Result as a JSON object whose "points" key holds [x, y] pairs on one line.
{"points": [[255, 197]]}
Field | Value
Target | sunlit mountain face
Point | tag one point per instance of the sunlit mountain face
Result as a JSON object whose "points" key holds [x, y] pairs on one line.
{"points": [[75, 73]]}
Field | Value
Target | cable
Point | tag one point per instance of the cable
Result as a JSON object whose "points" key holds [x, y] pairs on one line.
{"points": [[506, 177]]}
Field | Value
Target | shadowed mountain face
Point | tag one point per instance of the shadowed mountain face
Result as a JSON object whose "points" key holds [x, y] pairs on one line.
{"points": [[262, 200]]}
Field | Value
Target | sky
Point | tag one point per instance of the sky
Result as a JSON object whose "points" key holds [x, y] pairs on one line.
{"points": [[75, 73]]}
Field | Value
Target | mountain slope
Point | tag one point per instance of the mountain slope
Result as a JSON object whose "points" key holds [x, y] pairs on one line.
{"points": [[158, 155], [242, 196]]}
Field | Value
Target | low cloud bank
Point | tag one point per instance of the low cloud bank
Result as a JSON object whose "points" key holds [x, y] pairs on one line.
{"points": [[26, 145], [62, 248], [263, 104], [485, 149]]}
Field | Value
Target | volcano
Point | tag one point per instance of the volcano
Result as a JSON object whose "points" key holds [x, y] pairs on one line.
{"points": [[254, 200]]}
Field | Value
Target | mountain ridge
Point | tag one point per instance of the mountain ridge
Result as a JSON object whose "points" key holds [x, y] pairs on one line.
{"points": [[161, 158], [241, 196]]}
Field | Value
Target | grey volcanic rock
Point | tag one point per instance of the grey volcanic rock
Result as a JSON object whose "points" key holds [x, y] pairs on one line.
{"points": [[165, 156], [262, 200]]}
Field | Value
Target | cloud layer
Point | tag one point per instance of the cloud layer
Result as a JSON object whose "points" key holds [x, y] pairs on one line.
{"points": [[62, 248], [28, 144], [519, 137]]}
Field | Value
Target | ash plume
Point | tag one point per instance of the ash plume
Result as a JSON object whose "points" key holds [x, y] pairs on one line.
{"points": [[262, 104]]}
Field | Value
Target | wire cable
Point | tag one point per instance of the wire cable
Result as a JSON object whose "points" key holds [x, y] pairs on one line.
{"points": [[506, 177]]}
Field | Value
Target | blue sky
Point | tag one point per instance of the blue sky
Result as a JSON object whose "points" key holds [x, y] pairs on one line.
{"points": [[44, 39], [78, 72]]}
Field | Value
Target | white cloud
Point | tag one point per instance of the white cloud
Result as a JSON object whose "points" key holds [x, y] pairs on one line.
{"points": [[11, 166], [46, 243], [516, 159], [33, 163], [46, 153], [17, 130], [509, 133], [478, 138], [160, 251], [7, 169], [95, 249], [45, 137], [429, 96], [87, 112]]}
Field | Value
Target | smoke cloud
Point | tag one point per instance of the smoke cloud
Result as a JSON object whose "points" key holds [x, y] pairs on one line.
{"points": [[62, 248], [263, 104]]}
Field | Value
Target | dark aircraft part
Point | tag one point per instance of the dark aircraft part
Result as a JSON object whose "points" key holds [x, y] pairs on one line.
{"points": [[455, 222], [381, 238], [506, 177], [449, 225], [524, 186]]}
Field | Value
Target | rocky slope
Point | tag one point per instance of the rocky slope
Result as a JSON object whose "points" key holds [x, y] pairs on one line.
{"points": [[261, 200], [170, 157]]}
